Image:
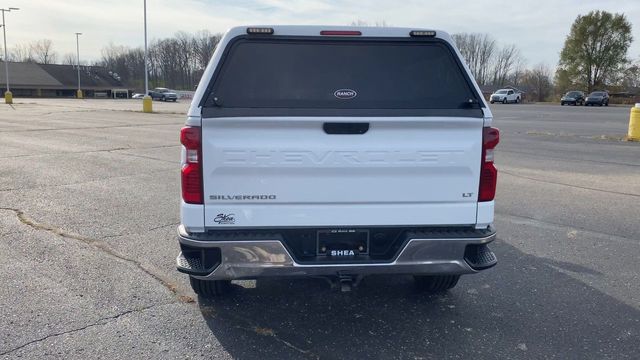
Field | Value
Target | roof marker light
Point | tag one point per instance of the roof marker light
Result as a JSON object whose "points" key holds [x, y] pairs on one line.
{"points": [[423, 33], [261, 31], [340, 33]]}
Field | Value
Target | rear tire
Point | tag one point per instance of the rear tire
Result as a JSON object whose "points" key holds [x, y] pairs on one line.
{"points": [[209, 288], [436, 283]]}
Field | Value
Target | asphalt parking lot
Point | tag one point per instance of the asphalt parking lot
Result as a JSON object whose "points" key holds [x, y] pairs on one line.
{"points": [[89, 205]]}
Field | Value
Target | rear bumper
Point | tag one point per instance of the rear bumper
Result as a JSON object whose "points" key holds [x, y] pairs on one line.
{"points": [[252, 258]]}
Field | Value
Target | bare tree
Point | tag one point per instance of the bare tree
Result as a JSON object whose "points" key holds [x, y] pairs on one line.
{"points": [[478, 51], [360, 22], [516, 77], [69, 59], [42, 51], [503, 64], [538, 81], [126, 63], [21, 53], [176, 62], [111, 53], [204, 45], [185, 55]]}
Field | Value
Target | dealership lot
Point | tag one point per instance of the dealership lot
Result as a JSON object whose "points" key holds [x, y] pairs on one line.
{"points": [[89, 205]]}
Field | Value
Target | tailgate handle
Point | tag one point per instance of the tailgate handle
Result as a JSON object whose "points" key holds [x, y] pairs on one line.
{"points": [[335, 128]]}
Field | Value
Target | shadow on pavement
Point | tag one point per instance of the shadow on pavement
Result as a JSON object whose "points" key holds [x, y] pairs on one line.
{"points": [[523, 308]]}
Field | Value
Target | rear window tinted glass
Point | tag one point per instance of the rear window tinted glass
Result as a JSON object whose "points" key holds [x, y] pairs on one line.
{"points": [[341, 74]]}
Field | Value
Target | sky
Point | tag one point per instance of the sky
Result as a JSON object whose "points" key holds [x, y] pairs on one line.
{"points": [[537, 27]]}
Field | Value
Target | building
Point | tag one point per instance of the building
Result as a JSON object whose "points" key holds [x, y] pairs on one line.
{"points": [[53, 80]]}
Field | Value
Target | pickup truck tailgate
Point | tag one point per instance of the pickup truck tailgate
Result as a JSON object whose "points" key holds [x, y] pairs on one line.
{"points": [[288, 171]]}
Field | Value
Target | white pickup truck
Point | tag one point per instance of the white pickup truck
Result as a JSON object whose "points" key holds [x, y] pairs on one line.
{"points": [[506, 96], [336, 152]]}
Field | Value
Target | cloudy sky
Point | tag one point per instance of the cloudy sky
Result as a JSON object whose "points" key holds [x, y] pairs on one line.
{"points": [[537, 27]]}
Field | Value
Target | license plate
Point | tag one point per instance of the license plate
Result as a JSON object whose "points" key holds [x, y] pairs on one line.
{"points": [[343, 242]]}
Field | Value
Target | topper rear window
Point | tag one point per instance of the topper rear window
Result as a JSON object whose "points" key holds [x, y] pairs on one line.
{"points": [[311, 73]]}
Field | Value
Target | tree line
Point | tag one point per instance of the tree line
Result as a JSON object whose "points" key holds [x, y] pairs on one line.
{"points": [[176, 62], [498, 65], [594, 57], [39, 51], [179, 61]]}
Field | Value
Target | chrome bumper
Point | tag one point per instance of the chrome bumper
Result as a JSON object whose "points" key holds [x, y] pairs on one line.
{"points": [[250, 259]]}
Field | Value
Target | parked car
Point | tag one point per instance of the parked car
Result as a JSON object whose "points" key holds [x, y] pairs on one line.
{"points": [[597, 98], [163, 94], [573, 98], [137, 96], [505, 96], [325, 168]]}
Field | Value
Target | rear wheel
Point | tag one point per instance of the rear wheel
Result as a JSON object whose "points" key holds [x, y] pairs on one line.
{"points": [[436, 283], [209, 288]]}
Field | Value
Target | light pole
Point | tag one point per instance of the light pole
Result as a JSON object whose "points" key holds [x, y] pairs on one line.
{"points": [[8, 96], [146, 100], [79, 93]]}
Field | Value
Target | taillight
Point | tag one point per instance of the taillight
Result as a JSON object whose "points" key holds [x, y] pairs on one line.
{"points": [[190, 137], [488, 172]]}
